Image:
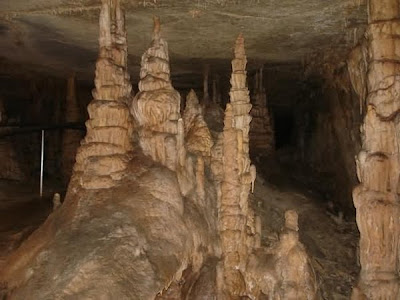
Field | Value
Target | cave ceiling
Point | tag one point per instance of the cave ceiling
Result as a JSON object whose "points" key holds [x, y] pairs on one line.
{"points": [[60, 36]]}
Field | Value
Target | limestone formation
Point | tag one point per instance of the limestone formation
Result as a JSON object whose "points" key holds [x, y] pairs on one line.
{"points": [[236, 220], [71, 138], [261, 134], [104, 153], [378, 169], [156, 108], [56, 201], [213, 112], [197, 135], [284, 271]]}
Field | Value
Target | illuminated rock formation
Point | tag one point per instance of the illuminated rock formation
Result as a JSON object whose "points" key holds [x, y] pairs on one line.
{"points": [[378, 168], [104, 154], [71, 138], [156, 108], [261, 134], [236, 220]]}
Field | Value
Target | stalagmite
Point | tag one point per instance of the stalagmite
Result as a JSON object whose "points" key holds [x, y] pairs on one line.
{"points": [[156, 108], [261, 134], [206, 95], [71, 138], [197, 135], [378, 168], [104, 153], [213, 112], [234, 211]]}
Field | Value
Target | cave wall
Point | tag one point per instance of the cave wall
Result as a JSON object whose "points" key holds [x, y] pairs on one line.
{"points": [[33, 101], [328, 137]]}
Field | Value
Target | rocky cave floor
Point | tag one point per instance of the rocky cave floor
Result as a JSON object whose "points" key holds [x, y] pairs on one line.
{"points": [[330, 241]]}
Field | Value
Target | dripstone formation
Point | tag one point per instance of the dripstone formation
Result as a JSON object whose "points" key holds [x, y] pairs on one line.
{"points": [[158, 210], [261, 133], [378, 169], [105, 152], [156, 107]]}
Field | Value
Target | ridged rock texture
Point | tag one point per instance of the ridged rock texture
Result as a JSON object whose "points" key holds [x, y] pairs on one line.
{"points": [[10, 168], [236, 219], [102, 159], [71, 138], [378, 169], [261, 133], [156, 108]]}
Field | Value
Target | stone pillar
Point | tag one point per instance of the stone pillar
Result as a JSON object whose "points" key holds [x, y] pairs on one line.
{"points": [[71, 138], [104, 154], [376, 198]]}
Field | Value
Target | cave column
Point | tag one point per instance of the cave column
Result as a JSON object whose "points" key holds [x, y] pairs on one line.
{"points": [[378, 168]]}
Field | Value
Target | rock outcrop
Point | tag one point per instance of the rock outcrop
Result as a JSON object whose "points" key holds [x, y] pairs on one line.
{"points": [[261, 133], [378, 168], [102, 159]]}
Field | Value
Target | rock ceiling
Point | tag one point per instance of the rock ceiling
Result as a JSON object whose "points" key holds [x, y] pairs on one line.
{"points": [[60, 36]]}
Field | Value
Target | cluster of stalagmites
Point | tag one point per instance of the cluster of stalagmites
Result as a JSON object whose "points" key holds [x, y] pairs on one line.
{"points": [[261, 133], [170, 236], [378, 167]]}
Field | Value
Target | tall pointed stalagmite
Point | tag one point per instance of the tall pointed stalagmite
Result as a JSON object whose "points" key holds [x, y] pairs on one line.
{"points": [[70, 138], [103, 156], [236, 219], [156, 108], [261, 135], [378, 163]]}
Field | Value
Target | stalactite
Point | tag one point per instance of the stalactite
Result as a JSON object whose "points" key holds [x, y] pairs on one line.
{"points": [[104, 154], [376, 198], [261, 133], [70, 138], [156, 108]]}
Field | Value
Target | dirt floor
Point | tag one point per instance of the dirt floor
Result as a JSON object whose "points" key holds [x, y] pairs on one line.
{"points": [[21, 212]]}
